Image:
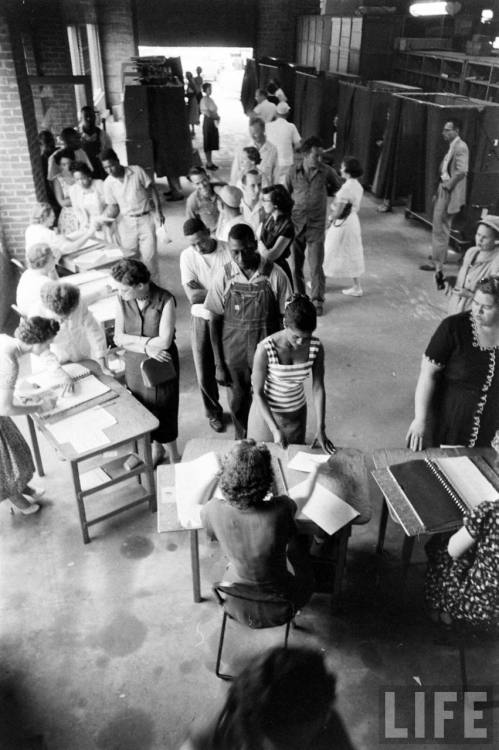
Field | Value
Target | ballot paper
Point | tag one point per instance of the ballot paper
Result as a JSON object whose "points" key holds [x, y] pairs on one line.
{"points": [[99, 257], [323, 507], [307, 462], [195, 482], [84, 431]]}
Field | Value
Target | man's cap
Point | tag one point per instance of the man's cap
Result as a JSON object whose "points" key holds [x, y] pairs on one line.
{"points": [[230, 195], [491, 221], [283, 108]]}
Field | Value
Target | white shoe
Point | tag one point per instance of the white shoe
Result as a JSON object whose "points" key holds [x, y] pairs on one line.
{"points": [[353, 292], [29, 509]]}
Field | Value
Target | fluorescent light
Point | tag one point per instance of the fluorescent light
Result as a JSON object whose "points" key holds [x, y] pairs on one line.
{"points": [[428, 9], [487, 15]]}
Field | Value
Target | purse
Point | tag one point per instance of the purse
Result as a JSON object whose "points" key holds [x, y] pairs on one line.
{"points": [[154, 372], [347, 210]]}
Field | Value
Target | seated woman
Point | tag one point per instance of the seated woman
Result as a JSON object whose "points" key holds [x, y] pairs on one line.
{"points": [[461, 578], [283, 700], [87, 199], [257, 531], [40, 261], [277, 232], [457, 394], [62, 183], [41, 231], [479, 261], [80, 335], [145, 328], [16, 464], [283, 361]]}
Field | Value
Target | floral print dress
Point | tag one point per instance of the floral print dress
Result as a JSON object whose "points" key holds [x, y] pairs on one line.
{"points": [[467, 588]]}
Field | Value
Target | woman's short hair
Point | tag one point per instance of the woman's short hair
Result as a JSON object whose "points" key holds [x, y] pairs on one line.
{"points": [[300, 313], [41, 212], [279, 197], [246, 475], [60, 298], [80, 166], [130, 272], [489, 285], [278, 697], [64, 153], [36, 330], [253, 172], [39, 255], [352, 166], [205, 87], [253, 154]]}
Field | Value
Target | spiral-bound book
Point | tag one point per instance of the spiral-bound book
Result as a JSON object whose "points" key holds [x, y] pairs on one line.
{"points": [[441, 490]]}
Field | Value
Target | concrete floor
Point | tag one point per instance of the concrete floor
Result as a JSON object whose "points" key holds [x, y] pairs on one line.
{"points": [[101, 645]]}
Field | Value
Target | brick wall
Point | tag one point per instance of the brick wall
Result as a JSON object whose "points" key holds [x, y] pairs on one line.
{"points": [[118, 43], [276, 30], [21, 184]]}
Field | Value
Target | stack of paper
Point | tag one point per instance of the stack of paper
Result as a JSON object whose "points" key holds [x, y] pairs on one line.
{"points": [[307, 462], [96, 258], [84, 431], [194, 485]]}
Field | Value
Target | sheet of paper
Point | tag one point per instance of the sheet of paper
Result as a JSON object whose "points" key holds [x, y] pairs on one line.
{"points": [[104, 309], [99, 258], [307, 461], [84, 431], [467, 479], [194, 485], [324, 508]]}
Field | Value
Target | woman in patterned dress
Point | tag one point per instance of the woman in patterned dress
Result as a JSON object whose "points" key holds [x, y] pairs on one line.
{"points": [[16, 464], [457, 394], [462, 575], [67, 221], [282, 363]]}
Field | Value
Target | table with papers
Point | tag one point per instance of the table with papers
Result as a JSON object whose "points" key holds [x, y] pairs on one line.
{"points": [[180, 498], [98, 439], [93, 255]]}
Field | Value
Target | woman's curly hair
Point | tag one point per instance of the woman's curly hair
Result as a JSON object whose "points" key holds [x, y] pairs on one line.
{"points": [[60, 298], [36, 330], [276, 697], [246, 476]]}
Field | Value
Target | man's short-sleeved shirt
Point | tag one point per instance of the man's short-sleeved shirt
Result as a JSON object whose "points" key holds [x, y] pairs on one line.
{"points": [[285, 137], [215, 299], [202, 267], [266, 110], [131, 193]]}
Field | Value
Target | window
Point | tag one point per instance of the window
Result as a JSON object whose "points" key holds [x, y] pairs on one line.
{"points": [[86, 59]]}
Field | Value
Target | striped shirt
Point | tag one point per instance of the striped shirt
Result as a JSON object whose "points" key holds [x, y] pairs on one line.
{"points": [[284, 384]]}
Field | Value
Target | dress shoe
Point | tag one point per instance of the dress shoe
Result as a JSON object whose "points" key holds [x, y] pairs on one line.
{"points": [[352, 292], [28, 509], [427, 267], [158, 453], [216, 424]]}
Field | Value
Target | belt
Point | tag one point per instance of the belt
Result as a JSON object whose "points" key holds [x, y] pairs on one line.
{"points": [[135, 216]]}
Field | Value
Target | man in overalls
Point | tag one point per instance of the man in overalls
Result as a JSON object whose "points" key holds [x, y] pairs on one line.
{"points": [[246, 300]]}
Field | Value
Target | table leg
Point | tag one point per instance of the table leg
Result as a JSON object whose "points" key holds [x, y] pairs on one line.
{"points": [[382, 527], [36, 447], [339, 567], [407, 548], [80, 502], [151, 485], [196, 579]]}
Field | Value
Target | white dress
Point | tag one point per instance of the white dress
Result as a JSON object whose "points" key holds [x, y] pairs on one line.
{"points": [[343, 251]]}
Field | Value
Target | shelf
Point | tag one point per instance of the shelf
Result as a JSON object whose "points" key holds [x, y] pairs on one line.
{"points": [[120, 473]]}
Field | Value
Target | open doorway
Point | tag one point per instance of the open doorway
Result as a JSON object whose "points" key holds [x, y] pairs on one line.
{"points": [[223, 67]]}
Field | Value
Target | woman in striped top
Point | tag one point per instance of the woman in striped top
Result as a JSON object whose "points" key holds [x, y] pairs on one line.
{"points": [[283, 361]]}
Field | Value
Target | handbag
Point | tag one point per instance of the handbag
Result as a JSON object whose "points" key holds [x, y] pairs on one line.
{"points": [[347, 210], [154, 372]]}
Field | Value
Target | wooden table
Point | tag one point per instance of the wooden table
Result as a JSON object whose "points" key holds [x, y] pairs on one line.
{"points": [[348, 465], [134, 424], [391, 503], [99, 255]]}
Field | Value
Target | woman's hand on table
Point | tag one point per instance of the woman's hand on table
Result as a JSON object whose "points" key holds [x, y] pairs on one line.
{"points": [[322, 440], [415, 435]]}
